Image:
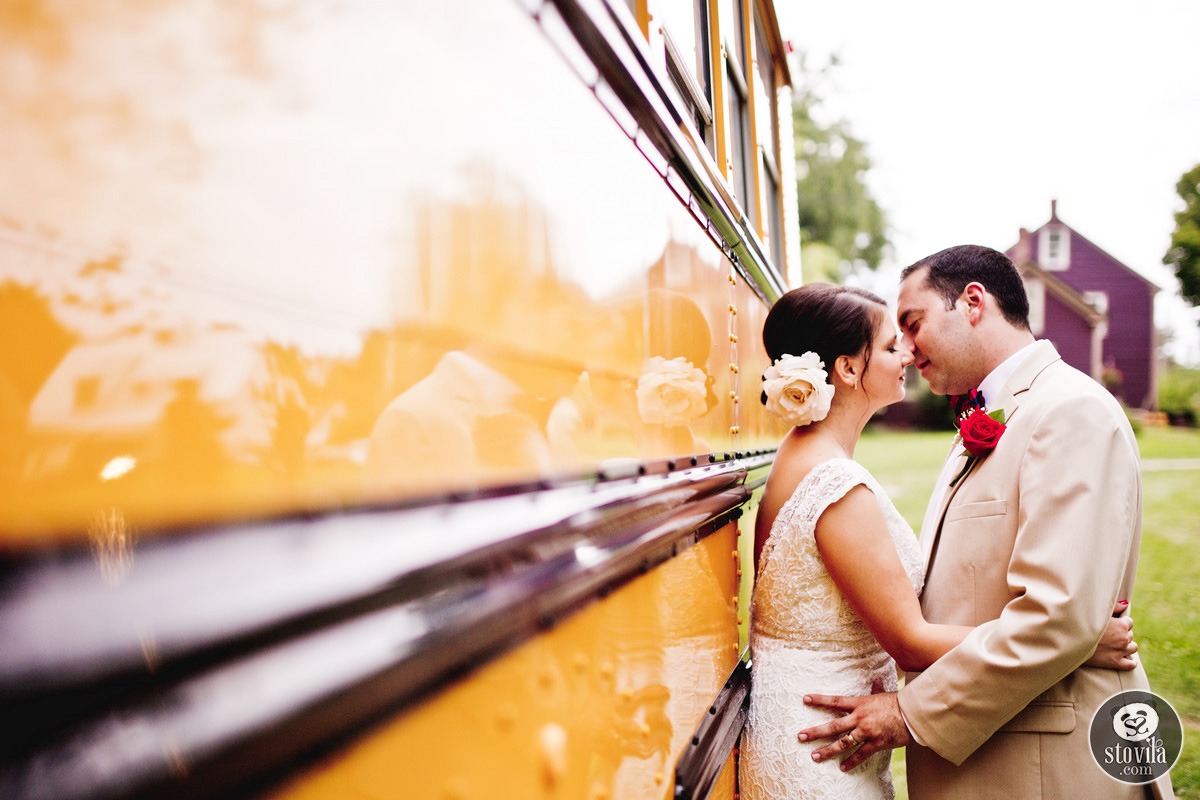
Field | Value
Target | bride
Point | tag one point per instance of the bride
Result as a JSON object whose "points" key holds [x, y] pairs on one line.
{"points": [[837, 569]]}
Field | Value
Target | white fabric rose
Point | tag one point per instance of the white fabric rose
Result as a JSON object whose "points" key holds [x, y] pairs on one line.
{"points": [[797, 389], [671, 392]]}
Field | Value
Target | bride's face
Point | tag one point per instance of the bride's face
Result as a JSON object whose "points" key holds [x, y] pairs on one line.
{"points": [[884, 376]]}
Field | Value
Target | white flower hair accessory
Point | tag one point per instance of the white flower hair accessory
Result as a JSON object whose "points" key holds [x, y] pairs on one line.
{"points": [[671, 392], [797, 389]]}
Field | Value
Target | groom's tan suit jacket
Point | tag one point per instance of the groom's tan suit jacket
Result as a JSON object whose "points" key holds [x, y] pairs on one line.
{"points": [[1033, 546]]}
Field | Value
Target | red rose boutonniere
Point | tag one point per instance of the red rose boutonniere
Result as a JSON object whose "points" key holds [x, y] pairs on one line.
{"points": [[981, 432]]}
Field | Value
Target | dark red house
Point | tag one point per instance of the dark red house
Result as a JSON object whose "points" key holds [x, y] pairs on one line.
{"points": [[1098, 312]]}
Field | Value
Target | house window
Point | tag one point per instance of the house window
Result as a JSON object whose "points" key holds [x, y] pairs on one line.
{"points": [[1054, 248], [1097, 300]]}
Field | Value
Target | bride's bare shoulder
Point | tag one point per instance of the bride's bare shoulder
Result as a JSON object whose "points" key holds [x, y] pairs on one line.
{"points": [[795, 458], [793, 461]]}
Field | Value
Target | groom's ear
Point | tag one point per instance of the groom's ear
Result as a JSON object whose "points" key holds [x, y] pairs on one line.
{"points": [[976, 297]]}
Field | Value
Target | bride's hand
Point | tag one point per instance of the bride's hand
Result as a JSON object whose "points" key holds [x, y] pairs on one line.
{"points": [[1117, 647]]}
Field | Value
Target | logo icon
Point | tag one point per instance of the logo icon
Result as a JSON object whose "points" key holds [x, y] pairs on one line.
{"points": [[1136, 737], [1135, 722]]}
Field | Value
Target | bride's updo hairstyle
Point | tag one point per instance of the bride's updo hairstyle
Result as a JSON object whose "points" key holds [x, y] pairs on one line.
{"points": [[828, 320]]}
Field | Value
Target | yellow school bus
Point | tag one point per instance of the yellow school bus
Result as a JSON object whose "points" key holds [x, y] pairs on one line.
{"points": [[379, 388]]}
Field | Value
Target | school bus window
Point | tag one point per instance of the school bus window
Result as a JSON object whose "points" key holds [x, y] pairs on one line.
{"points": [[741, 146], [641, 14], [766, 93], [737, 15], [773, 223], [767, 110], [685, 28]]}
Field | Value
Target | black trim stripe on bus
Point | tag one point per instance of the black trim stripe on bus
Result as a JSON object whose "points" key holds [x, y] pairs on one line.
{"points": [[716, 736], [224, 659]]}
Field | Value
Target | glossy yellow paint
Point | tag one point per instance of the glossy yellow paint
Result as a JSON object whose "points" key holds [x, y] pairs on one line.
{"points": [[244, 277], [599, 707], [279, 259]]}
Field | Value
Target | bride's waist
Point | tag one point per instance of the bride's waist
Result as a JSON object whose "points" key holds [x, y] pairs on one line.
{"points": [[852, 646]]}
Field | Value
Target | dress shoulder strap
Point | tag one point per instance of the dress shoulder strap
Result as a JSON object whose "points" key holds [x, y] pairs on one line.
{"points": [[827, 483]]}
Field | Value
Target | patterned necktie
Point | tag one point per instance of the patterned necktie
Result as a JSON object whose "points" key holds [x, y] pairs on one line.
{"points": [[965, 403]]}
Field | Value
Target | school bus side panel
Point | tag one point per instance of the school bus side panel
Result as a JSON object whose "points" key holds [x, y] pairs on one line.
{"points": [[353, 253], [601, 706]]}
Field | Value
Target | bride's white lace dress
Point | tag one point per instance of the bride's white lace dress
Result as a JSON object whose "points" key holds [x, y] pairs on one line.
{"points": [[804, 637]]}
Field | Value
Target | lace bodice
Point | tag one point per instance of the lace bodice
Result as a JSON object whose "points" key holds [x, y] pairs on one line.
{"points": [[795, 599], [804, 638]]}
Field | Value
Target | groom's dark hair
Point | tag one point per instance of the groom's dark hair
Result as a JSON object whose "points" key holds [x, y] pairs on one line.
{"points": [[950, 270]]}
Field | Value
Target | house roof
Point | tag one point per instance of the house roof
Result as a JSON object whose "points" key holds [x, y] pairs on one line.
{"points": [[1054, 220], [1064, 292]]}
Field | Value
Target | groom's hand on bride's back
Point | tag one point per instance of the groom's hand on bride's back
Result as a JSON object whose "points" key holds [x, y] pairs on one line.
{"points": [[872, 723], [1117, 649]]}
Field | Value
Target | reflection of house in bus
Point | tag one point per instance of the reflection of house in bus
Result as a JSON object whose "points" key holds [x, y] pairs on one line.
{"points": [[183, 402]]}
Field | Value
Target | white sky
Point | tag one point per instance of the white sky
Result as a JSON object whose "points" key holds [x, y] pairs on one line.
{"points": [[976, 115]]}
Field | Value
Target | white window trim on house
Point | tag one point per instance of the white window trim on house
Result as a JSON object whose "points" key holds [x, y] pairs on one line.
{"points": [[1098, 335], [1054, 248], [1097, 300], [1036, 291]]}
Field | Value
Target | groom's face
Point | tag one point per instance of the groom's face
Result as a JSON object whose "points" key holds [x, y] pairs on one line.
{"points": [[939, 337]]}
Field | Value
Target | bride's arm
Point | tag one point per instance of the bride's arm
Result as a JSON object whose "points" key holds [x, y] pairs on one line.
{"points": [[858, 552]]}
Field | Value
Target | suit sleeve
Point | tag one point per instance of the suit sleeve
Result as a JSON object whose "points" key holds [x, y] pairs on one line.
{"points": [[1078, 513]]}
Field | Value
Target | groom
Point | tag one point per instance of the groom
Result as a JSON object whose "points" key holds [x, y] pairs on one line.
{"points": [[1033, 543]]}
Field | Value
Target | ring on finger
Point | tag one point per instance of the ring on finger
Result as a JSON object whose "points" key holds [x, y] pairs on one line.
{"points": [[850, 741]]}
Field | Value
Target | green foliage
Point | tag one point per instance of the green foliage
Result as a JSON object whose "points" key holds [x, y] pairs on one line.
{"points": [[1157, 442], [1135, 421], [837, 211], [1184, 253], [1179, 394], [820, 262], [1166, 608]]}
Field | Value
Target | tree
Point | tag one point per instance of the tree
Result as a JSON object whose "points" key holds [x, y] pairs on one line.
{"points": [[842, 227], [1184, 253]]}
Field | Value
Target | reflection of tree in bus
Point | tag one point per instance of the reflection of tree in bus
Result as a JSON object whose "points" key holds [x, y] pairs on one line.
{"points": [[187, 443], [286, 398], [505, 336]]}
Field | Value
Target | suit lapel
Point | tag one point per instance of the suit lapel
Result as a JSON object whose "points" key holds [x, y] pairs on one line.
{"points": [[1042, 356], [933, 529]]}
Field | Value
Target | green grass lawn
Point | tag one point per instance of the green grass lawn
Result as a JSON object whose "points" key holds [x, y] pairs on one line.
{"points": [[1166, 606]]}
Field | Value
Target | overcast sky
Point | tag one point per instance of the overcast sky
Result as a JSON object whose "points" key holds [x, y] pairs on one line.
{"points": [[977, 115]]}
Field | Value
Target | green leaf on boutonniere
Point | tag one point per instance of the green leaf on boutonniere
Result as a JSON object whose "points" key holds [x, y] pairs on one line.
{"points": [[970, 460]]}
